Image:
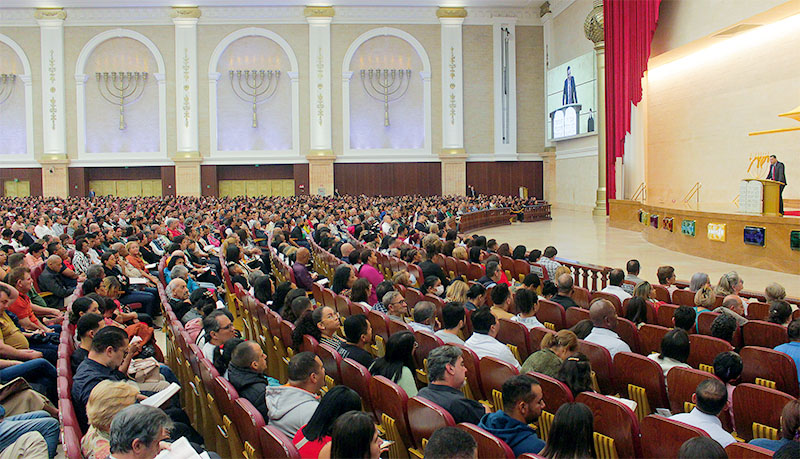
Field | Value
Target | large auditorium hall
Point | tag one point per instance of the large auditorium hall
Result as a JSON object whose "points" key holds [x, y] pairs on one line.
{"points": [[399, 229]]}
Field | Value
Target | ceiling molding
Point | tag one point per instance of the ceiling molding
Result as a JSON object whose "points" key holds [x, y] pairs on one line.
{"points": [[558, 6]]}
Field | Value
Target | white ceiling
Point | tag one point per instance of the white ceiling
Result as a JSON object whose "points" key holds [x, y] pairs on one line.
{"points": [[162, 3]]}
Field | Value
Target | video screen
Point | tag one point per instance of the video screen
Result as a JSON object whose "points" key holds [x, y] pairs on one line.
{"points": [[572, 99]]}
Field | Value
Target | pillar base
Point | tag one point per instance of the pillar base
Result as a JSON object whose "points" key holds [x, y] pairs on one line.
{"points": [[549, 173], [55, 176], [454, 171], [187, 173], [320, 172], [600, 205]]}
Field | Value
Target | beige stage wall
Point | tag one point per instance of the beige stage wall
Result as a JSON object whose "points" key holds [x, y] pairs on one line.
{"points": [[700, 108]]}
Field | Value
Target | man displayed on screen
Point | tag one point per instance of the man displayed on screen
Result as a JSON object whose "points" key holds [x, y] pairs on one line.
{"points": [[777, 173], [569, 96]]}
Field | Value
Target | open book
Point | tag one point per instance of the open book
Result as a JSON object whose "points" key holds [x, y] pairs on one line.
{"points": [[181, 449], [138, 280], [151, 266], [160, 397]]}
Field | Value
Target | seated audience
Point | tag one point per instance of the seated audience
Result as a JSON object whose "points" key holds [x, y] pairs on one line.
{"points": [[316, 435], [728, 368], [432, 286], [137, 432], [674, 351], [343, 279], [105, 401], [576, 374], [457, 292], [734, 307], [636, 311], [522, 405], [428, 267], [369, 271], [446, 376], [218, 328], [502, 302], [25, 310], [383, 288], [51, 280], [632, 268], [698, 281], [554, 349], [322, 324], [88, 325], [398, 363], [604, 322], [424, 317], [582, 328], [361, 292], [483, 340], [729, 284], [476, 297], [527, 304], [723, 327], [684, 318], [303, 277], [701, 448], [395, 304], [492, 275], [247, 371], [615, 278], [780, 313], [564, 284], [354, 435], [358, 332], [772, 292], [790, 428], [291, 406], [666, 277], [711, 397], [453, 315], [792, 348], [178, 297], [451, 443], [547, 261], [571, 434], [295, 304]]}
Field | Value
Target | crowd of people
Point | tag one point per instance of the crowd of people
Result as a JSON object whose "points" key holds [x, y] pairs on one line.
{"points": [[89, 269]]}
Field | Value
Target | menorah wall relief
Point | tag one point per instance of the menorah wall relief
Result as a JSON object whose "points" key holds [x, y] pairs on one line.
{"points": [[386, 85], [254, 86], [121, 89]]}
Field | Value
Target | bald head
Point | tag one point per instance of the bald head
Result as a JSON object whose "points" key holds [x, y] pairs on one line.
{"points": [[54, 262], [303, 255], [603, 314], [734, 303], [564, 283], [347, 249]]}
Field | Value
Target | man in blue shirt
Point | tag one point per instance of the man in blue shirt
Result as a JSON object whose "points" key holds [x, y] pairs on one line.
{"points": [[792, 348], [522, 405]]}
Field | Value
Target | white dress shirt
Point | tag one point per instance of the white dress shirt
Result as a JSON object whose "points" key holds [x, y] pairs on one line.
{"points": [[618, 291], [486, 346], [449, 338], [710, 424], [530, 322], [609, 340]]}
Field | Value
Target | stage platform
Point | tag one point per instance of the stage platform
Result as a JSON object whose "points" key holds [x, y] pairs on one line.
{"points": [[775, 255]]}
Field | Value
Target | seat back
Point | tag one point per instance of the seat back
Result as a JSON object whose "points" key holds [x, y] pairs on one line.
{"points": [[394, 403], [71, 438], [581, 296], [310, 344], [764, 334], [274, 444], [614, 299], [554, 392], [757, 311], [650, 337], [329, 298], [331, 360], [380, 324], [537, 334], [704, 321], [426, 342], [551, 312], [474, 271], [704, 349], [494, 372], [665, 313], [489, 446], [248, 422], [645, 373], [683, 297], [425, 418], [357, 377], [413, 296], [662, 293], [771, 365], [286, 333], [603, 367], [681, 384], [628, 332], [471, 361], [395, 326], [342, 306], [745, 451], [521, 268], [516, 333], [575, 315], [614, 419], [753, 403], [663, 437]]}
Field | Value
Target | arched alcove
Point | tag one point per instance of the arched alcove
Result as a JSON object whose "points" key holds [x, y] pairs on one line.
{"points": [[16, 132]]}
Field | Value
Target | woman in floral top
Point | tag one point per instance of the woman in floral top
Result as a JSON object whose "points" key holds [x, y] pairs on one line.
{"points": [[106, 400]]}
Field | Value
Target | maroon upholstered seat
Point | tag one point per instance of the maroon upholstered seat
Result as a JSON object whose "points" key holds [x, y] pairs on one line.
{"points": [[603, 367], [516, 333], [274, 444], [489, 446], [425, 418], [638, 370], [663, 437], [614, 419], [771, 365], [754, 403]]}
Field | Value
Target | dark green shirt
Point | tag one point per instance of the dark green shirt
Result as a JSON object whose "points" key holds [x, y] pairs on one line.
{"points": [[544, 361]]}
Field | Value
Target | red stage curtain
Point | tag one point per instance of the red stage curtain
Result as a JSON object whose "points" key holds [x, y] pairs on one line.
{"points": [[629, 29]]}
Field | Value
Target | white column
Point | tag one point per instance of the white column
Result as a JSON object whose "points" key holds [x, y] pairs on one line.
{"points": [[547, 36], [505, 89], [319, 65], [186, 110], [451, 20], [54, 125]]}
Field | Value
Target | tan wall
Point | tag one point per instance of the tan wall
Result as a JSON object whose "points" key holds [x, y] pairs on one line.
{"points": [[530, 90], [29, 40], [700, 112], [683, 21], [479, 89], [569, 41]]}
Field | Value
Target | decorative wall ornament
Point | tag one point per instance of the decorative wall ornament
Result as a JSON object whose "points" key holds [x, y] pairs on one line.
{"points": [[185, 12], [320, 86], [121, 89], [318, 11], [53, 112], [7, 81], [50, 13], [51, 68], [452, 67], [254, 86], [386, 85], [505, 43], [187, 106]]}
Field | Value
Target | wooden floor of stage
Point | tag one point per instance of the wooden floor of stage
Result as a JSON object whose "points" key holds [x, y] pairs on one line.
{"points": [[580, 236]]}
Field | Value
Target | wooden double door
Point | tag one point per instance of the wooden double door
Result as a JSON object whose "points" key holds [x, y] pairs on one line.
{"points": [[281, 187], [17, 188], [126, 188]]}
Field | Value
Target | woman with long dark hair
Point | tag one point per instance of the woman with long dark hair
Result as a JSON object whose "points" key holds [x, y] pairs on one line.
{"points": [[571, 435], [343, 279], [398, 363], [354, 436], [314, 436], [576, 373]]}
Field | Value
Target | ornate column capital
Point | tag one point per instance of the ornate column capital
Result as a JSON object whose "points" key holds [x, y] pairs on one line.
{"points": [[185, 12], [594, 25], [43, 14], [451, 12], [544, 9], [318, 12]]}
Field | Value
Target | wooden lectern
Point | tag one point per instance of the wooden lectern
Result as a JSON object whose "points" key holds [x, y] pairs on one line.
{"points": [[770, 202]]}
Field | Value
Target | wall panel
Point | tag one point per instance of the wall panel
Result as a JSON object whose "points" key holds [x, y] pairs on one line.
{"points": [[31, 174], [506, 177], [208, 181], [391, 179]]}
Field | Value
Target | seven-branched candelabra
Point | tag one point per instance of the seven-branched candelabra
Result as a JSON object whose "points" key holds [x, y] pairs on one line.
{"points": [[121, 89], [254, 86], [386, 85]]}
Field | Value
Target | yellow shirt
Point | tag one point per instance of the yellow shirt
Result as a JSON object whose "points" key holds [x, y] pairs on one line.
{"points": [[11, 334], [500, 313]]}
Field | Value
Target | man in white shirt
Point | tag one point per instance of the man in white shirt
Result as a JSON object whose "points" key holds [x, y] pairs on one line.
{"points": [[604, 320], [424, 316], [615, 278], [452, 322], [711, 398], [218, 328], [483, 341]]}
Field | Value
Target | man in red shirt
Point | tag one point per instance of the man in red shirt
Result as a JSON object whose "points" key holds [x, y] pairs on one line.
{"points": [[20, 278]]}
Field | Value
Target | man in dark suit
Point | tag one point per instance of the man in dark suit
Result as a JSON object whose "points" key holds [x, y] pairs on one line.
{"points": [[777, 173], [569, 96]]}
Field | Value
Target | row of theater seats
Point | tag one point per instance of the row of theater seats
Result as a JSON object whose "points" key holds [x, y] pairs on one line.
{"points": [[409, 421]]}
